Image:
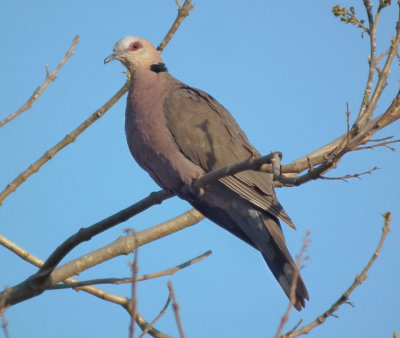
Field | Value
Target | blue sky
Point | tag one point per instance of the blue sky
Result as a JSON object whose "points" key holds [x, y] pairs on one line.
{"points": [[285, 70]]}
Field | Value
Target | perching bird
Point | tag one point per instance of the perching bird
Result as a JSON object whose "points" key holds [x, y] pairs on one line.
{"points": [[178, 133]]}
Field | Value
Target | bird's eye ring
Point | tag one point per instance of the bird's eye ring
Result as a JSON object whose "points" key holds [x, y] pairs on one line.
{"points": [[135, 45]]}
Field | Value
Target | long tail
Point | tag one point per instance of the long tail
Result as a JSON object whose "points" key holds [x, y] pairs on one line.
{"points": [[257, 228], [281, 263]]}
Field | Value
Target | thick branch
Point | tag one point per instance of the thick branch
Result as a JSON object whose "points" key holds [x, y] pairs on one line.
{"points": [[85, 234], [35, 285], [99, 293]]}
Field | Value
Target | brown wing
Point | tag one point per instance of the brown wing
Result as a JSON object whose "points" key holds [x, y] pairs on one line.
{"points": [[209, 136]]}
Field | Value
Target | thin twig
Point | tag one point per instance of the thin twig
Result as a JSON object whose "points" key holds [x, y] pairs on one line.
{"points": [[183, 12], [382, 144], [175, 306], [50, 77], [348, 122], [154, 321], [346, 177], [133, 300], [362, 115], [296, 326], [381, 139], [383, 75], [357, 281], [117, 281], [299, 262]]}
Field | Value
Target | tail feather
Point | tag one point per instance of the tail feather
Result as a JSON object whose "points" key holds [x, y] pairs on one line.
{"points": [[259, 229], [281, 263]]}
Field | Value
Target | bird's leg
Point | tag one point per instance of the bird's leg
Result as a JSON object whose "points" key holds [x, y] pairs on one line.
{"points": [[197, 191]]}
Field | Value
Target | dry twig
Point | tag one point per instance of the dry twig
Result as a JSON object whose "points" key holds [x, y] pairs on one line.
{"points": [[346, 177], [183, 12], [133, 300], [357, 281], [154, 321], [50, 77], [175, 306], [299, 263], [117, 281]]}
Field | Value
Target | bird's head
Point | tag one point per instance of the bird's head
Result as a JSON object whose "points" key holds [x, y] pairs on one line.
{"points": [[135, 53]]}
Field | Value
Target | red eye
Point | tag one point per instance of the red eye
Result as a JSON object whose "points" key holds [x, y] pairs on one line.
{"points": [[135, 45]]}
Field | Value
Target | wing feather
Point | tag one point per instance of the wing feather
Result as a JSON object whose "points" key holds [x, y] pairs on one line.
{"points": [[208, 135]]}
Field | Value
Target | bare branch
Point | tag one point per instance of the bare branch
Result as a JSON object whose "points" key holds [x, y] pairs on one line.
{"points": [[133, 300], [117, 281], [50, 77], [175, 306], [183, 12], [358, 280], [346, 177]]}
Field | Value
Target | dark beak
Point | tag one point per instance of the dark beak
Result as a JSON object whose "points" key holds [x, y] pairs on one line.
{"points": [[111, 57]]}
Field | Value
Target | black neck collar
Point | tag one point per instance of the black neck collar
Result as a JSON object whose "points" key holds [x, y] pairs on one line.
{"points": [[158, 67]]}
